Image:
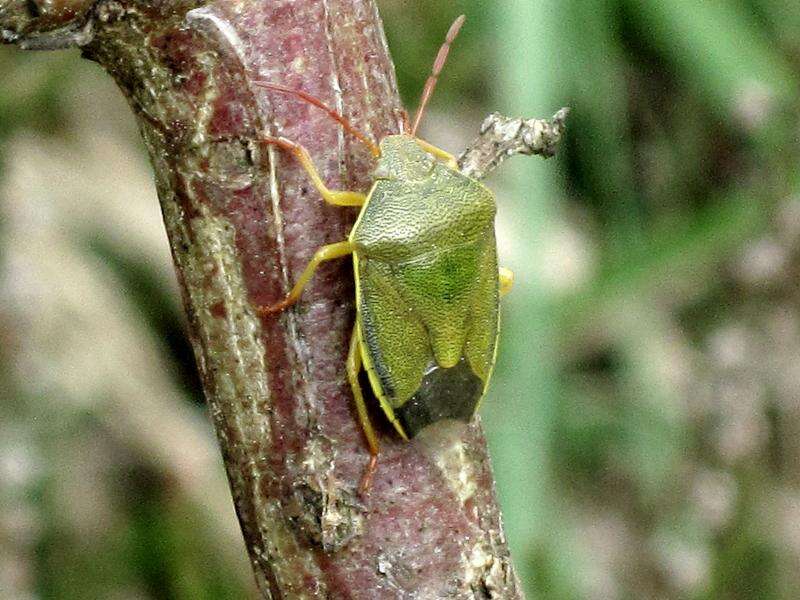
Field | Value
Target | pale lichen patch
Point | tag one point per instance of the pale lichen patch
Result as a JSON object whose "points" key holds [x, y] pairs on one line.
{"points": [[327, 513], [299, 64], [205, 107], [476, 563], [487, 575], [457, 469]]}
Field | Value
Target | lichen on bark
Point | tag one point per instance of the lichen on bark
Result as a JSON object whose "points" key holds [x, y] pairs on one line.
{"points": [[242, 222]]}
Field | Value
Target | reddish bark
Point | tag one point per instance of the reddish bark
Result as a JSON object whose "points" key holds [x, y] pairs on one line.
{"points": [[243, 220]]}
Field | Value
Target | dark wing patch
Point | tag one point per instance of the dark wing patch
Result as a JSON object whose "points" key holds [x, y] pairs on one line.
{"points": [[443, 394]]}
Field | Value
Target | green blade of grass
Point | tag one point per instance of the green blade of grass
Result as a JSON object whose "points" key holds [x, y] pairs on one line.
{"points": [[718, 46], [520, 422]]}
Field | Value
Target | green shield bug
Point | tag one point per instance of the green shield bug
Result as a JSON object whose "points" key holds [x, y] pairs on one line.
{"points": [[426, 274]]}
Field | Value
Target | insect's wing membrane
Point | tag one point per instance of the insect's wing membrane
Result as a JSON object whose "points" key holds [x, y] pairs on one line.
{"points": [[408, 338], [395, 343], [440, 286], [483, 319]]}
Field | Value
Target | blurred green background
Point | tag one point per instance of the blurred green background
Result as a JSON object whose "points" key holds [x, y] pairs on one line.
{"points": [[645, 415]]}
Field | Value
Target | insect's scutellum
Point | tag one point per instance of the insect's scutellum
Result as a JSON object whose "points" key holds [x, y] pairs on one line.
{"points": [[427, 287]]}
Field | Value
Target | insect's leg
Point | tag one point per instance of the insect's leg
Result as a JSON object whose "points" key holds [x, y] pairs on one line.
{"points": [[353, 369], [324, 253], [339, 198], [506, 280], [439, 153]]}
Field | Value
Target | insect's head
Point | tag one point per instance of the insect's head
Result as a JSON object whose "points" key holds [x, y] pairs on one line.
{"points": [[402, 158]]}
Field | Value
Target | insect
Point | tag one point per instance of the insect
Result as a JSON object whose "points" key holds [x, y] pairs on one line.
{"points": [[426, 273]]}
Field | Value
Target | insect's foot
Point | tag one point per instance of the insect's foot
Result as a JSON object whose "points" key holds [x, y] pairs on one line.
{"points": [[271, 309], [369, 473]]}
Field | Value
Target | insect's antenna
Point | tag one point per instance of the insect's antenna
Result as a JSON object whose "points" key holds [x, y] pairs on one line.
{"points": [[441, 57], [331, 113]]}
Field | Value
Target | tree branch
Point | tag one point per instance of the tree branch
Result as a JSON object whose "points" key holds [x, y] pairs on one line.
{"points": [[242, 221]]}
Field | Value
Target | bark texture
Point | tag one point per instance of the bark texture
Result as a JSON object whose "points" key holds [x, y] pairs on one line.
{"points": [[243, 221]]}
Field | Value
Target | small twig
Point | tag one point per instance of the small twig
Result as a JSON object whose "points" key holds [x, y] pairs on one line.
{"points": [[501, 137]]}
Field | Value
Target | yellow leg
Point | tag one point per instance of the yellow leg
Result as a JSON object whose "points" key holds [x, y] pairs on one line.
{"points": [[439, 153], [353, 369], [325, 253], [506, 280], [300, 153]]}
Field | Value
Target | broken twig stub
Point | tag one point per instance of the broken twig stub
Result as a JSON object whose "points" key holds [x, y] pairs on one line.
{"points": [[501, 137]]}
